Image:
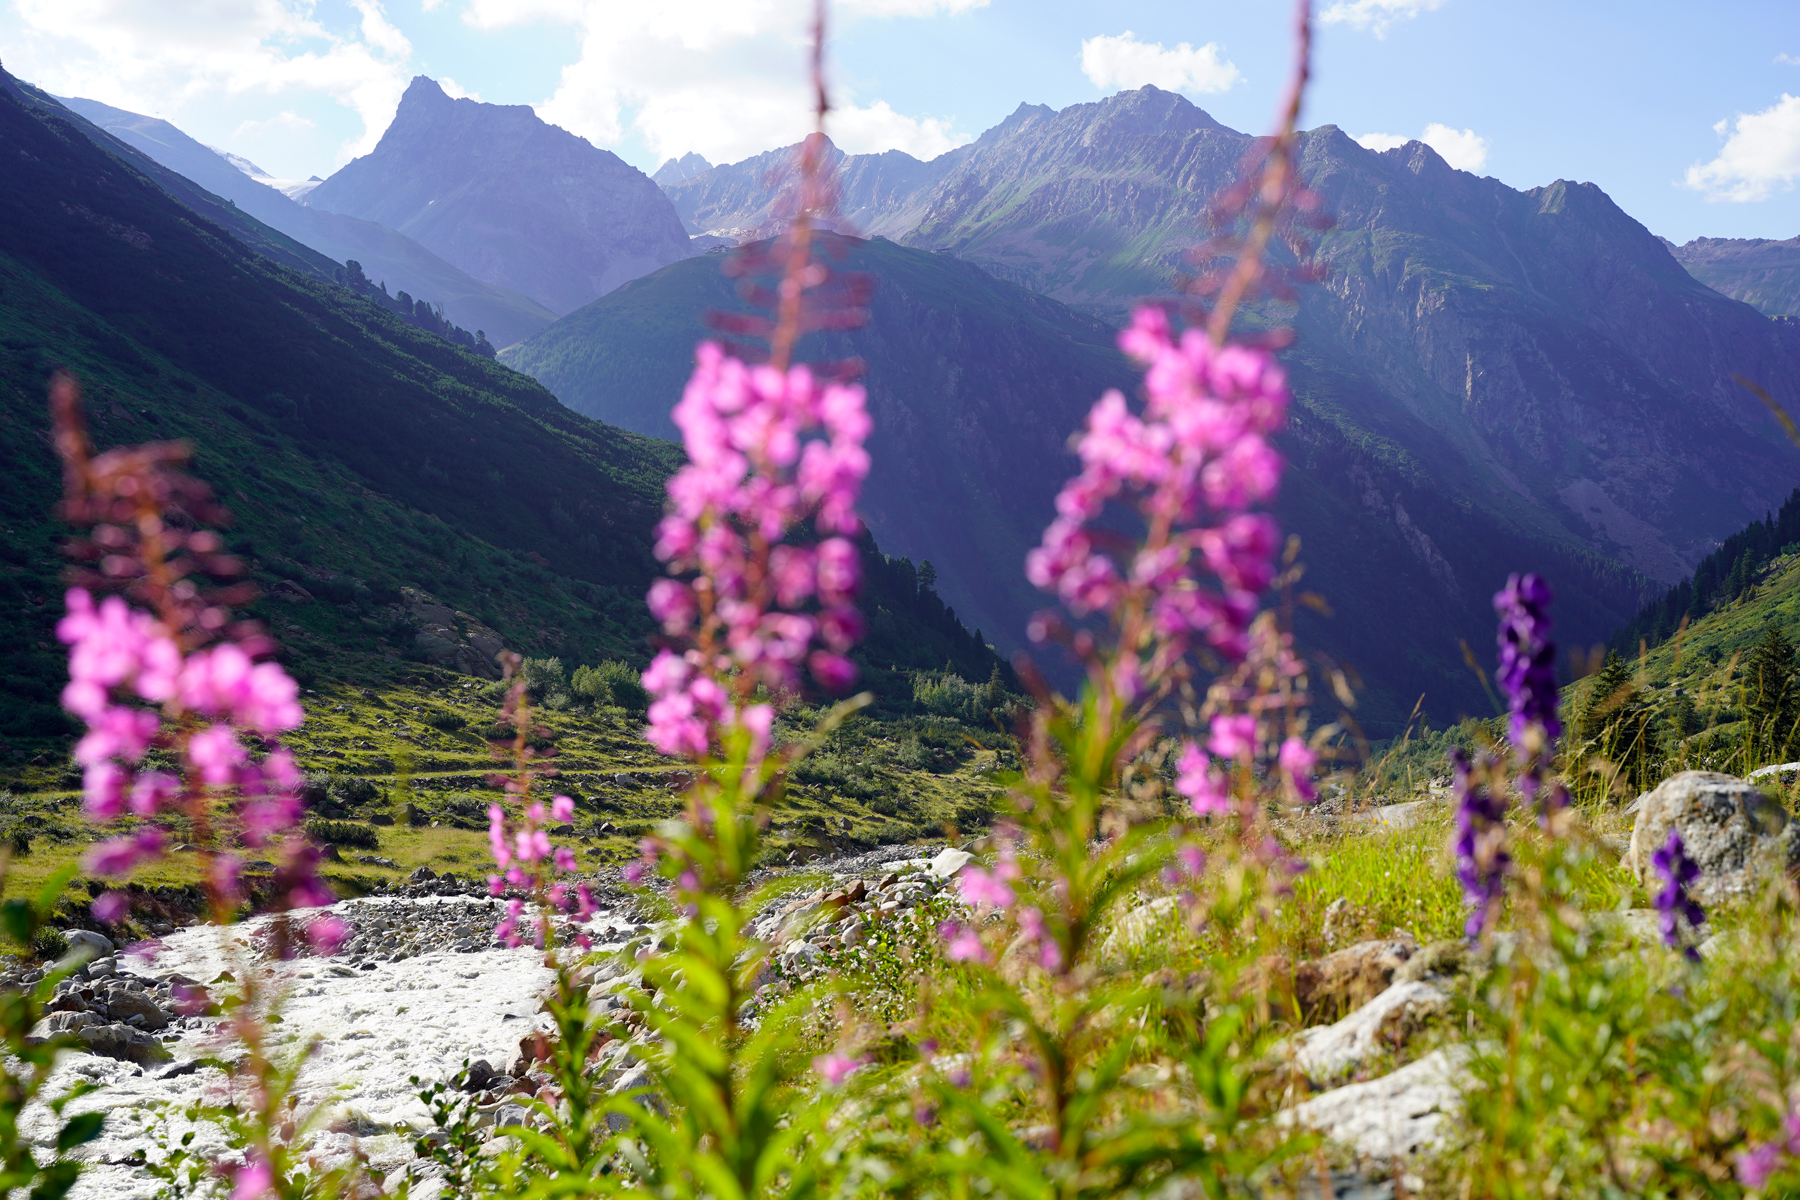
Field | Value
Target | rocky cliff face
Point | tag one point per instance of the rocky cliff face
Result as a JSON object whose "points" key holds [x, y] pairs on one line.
{"points": [[386, 256], [1762, 273], [1537, 354], [509, 199]]}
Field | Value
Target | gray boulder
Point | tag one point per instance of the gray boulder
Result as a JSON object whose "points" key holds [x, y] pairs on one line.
{"points": [[1738, 836], [98, 943], [122, 1005], [124, 1043]]}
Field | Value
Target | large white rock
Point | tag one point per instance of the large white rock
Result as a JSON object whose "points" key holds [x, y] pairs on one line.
{"points": [[98, 943], [1738, 836], [949, 861], [1395, 1116], [1327, 1052]]}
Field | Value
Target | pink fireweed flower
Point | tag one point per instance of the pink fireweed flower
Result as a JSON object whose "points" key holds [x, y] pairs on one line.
{"points": [[152, 792], [224, 683], [836, 1067], [111, 645], [216, 754], [564, 859], [507, 931], [767, 451], [252, 1181], [1207, 790], [327, 935], [983, 889], [117, 732], [562, 808], [1196, 457], [1296, 763], [1033, 926], [109, 908], [103, 790], [497, 834], [267, 818], [962, 943], [120, 856], [1233, 736]]}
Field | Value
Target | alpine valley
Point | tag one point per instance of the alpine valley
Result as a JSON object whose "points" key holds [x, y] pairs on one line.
{"points": [[1487, 380]]}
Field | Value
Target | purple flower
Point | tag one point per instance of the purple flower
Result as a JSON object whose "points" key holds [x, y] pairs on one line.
{"points": [[1527, 672], [1675, 903], [1757, 1164], [1481, 857]]}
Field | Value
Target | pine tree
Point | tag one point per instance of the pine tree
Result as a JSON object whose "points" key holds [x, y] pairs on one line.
{"points": [[1616, 724], [1772, 695]]}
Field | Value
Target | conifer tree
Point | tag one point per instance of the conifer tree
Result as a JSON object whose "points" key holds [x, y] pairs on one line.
{"points": [[1772, 695]]}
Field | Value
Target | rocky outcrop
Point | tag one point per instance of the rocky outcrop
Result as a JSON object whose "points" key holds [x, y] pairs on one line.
{"points": [[450, 638], [509, 199], [1739, 837]]}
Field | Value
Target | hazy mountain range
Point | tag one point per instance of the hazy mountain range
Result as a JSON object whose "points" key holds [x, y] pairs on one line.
{"points": [[386, 256], [1490, 379]]}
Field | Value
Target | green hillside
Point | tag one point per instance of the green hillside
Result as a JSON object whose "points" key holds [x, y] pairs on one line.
{"points": [[975, 385], [402, 501]]}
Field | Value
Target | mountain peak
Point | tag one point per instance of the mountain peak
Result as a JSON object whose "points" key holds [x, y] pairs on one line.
{"points": [[676, 170], [509, 198], [424, 90]]}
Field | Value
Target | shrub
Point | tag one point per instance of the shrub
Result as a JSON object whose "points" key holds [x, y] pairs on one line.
{"points": [[446, 720], [542, 676], [343, 833], [49, 945], [612, 683]]}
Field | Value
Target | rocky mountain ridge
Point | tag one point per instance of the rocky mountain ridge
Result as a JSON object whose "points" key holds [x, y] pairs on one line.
{"points": [[508, 199], [1762, 272], [1537, 353], [388, 257]]}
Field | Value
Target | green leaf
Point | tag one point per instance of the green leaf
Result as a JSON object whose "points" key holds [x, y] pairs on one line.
{"points": [[18, 920], [79, 1130]]}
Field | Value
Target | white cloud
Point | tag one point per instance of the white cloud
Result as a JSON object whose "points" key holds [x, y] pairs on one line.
{"points": [[1376, 16], [724, 78], [282, 122], [1463, 149], [1125, 62], [1791, 59], [1761, 153], [163, 56]]}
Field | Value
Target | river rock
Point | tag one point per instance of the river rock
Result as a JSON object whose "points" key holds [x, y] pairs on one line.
{"points": [[1338, 982], [1738, 836], [98, 943], [949, 861], [123, 1005], [123, 1043]]}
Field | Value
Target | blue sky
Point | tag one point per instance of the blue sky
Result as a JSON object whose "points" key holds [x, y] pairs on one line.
{"points": [[1687, 114]]}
